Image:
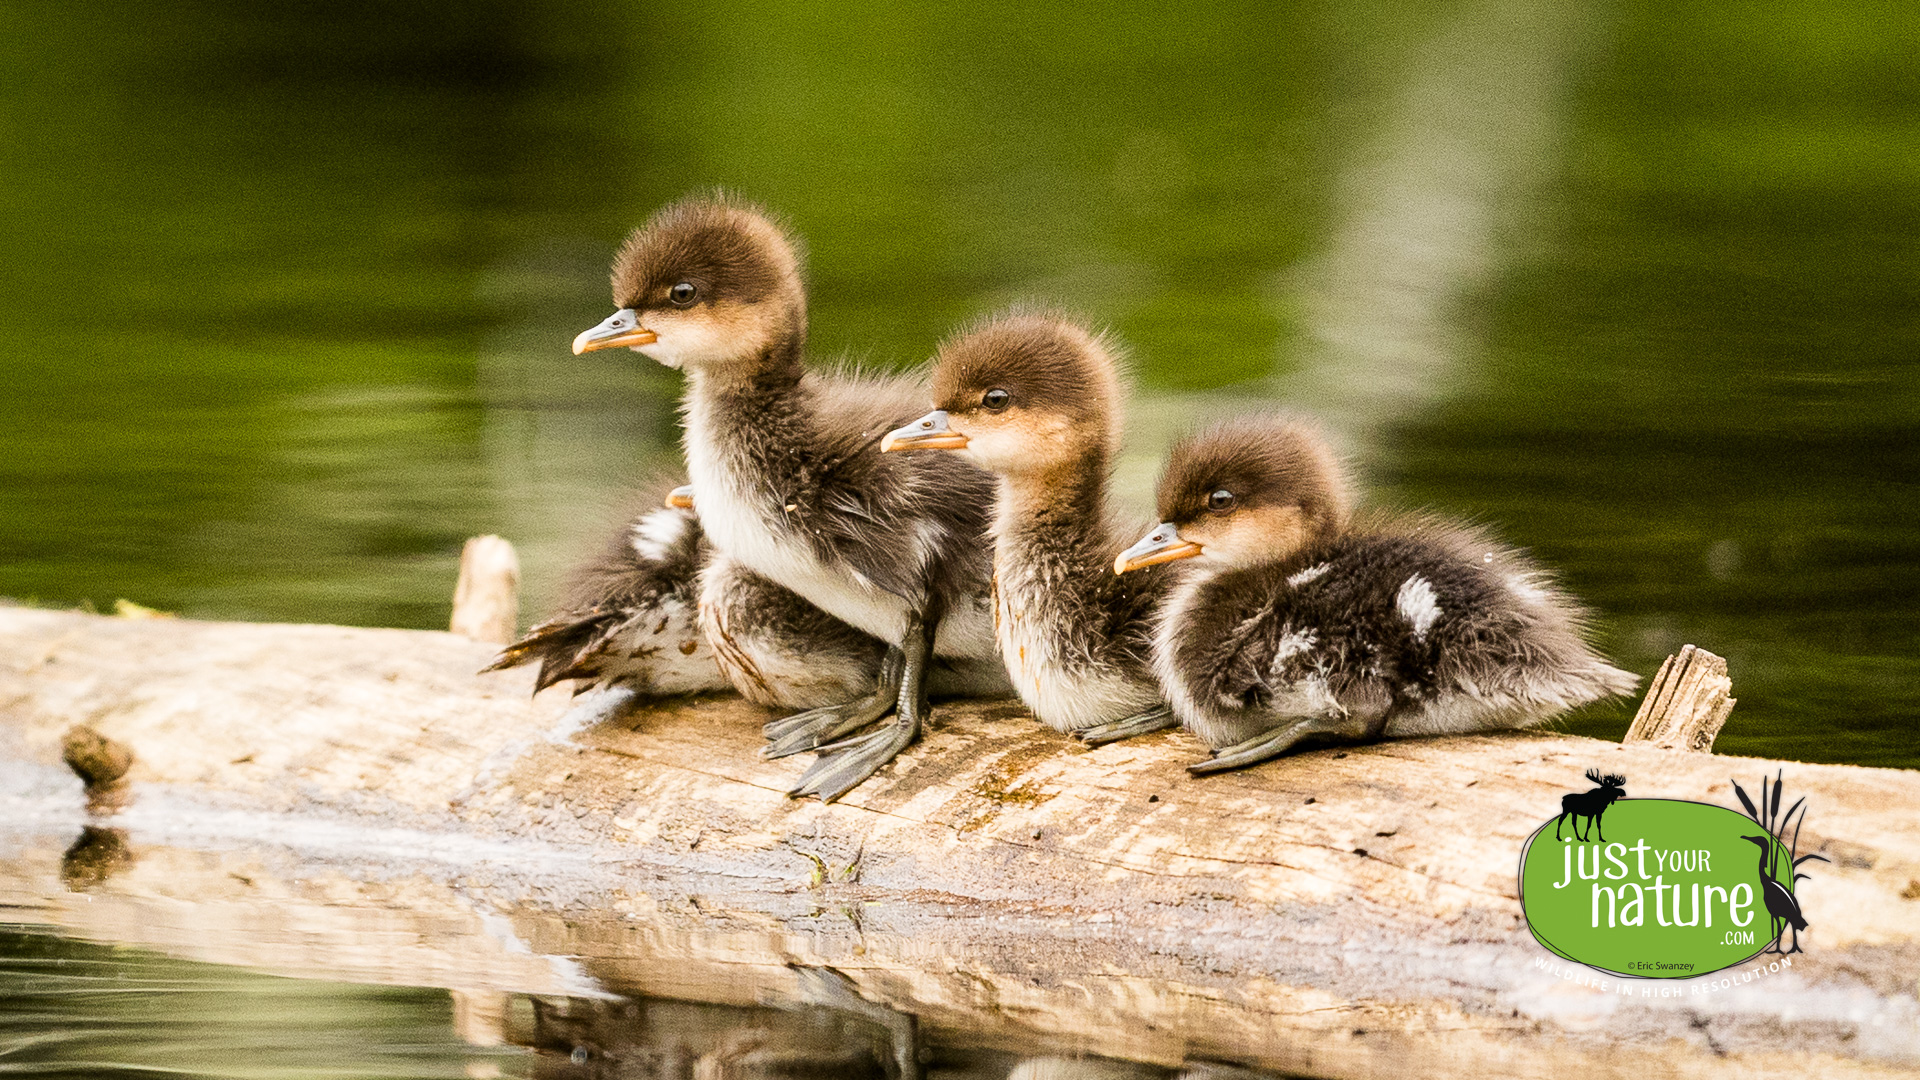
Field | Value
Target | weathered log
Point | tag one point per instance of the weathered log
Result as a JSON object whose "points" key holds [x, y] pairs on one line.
{"points": [[359, 804], [1687, 703]]}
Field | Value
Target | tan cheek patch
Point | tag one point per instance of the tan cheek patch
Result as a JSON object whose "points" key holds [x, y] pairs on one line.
{"points": [[755, 320], [1019, 442], [715, 332], [992, 440], [1046, 437], [1265, 532]]}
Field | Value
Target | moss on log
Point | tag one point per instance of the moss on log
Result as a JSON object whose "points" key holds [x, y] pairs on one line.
{"points": [[359, 803]]}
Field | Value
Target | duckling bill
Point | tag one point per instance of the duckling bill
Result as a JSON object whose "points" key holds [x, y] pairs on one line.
{"points": [[1035, 400], [789, 480], [1300, 626]]}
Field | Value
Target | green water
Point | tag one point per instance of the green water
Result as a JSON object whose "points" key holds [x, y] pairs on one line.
{"points": [[286, 288], [78, 1009], [82, 1010]]}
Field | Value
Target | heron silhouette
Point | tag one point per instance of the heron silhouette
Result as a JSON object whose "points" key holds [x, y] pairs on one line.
{"points": [[1781, 905]]}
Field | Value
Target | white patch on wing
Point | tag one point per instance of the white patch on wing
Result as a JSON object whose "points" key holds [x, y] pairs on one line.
{"points": [[1292, 643], [1311, 573], [926, 541], [655, 534], [1527, 589], [1418, 604]]}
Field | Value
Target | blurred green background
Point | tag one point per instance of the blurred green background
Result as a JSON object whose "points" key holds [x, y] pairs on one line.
{"points": [[286, 289]]}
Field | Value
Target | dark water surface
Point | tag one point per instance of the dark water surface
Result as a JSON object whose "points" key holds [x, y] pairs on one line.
{"points": [[286, 291]]}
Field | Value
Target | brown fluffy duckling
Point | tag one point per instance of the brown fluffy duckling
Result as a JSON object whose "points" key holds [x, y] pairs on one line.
{"points": [[789, 478], [1035, 400], [1301, 626]]}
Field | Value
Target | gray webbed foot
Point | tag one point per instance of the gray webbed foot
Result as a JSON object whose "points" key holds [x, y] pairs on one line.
{"points": [[816, 728], [842, 765], [1152, 720], [1285, 738]]}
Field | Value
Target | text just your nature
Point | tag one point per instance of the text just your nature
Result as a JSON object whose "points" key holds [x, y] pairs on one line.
{"points": [[1626, 904]]}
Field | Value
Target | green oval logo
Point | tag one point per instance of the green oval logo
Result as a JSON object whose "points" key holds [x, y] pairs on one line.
{"points": [[1673, 890]]}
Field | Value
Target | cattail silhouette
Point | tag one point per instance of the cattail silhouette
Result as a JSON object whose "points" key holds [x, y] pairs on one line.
{"points": [[1782, 905], [1591, 804]]}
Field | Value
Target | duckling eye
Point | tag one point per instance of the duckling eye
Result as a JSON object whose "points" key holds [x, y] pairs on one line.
{"points": [[996, 399], [1220, 501], [683, 293]]}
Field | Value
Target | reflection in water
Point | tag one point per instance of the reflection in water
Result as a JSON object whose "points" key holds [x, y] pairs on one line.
{"points": [[653, 1038], [71, 1007], [97, 855], [74, 1009], [1428, 213]]}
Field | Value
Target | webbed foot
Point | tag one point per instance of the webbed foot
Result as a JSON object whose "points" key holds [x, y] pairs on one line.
{"points": [[843, 765], [1285, 738], [1159, 719], [815, 728]]}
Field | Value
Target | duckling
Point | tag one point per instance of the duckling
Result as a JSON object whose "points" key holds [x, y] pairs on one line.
{"points": [[789, 479], [660, 613], [1302, 626], [1035, 400]]}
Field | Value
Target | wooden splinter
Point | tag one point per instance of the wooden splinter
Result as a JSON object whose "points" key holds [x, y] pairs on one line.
{"points": [[1687, 703]]}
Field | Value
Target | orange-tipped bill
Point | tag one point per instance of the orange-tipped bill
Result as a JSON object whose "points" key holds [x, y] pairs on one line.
{"points": [[681, 498], [930, 432], [1163, 544], [620, 328]]}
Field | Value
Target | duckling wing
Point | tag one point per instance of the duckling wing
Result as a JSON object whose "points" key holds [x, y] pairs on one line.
{"points": [[1314, 638], [1465, 634], [630, 613], [907, 523]]}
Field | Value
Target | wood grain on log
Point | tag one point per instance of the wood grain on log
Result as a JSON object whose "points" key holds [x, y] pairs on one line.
{"points": [[1687, 703], [359, 804]]}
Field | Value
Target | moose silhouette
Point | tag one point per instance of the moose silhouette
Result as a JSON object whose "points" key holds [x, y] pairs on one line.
{"points": [[1590, 804]]}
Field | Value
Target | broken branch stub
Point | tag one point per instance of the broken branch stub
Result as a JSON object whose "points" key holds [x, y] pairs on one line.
{"points": [[1687, 704], [486, 601]]}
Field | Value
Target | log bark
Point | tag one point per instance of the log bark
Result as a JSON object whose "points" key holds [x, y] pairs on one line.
{"points": [[360, 804]]}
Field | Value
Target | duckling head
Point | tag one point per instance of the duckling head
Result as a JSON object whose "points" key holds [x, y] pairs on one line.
{"points": [[710, 283], [1020, 393], [1243, 493]]}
